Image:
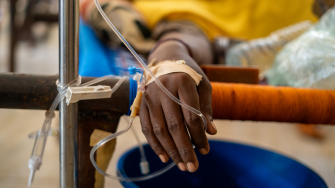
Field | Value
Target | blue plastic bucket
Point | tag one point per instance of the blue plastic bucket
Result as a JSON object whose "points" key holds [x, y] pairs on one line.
{"points": [[227, 165]]}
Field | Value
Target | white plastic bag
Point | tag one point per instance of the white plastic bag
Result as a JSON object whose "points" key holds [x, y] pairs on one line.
{"points": [[309, 60]]}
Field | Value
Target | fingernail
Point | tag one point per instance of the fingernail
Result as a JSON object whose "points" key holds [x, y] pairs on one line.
{"points": [[182, 167], [203, 151], [213, 125], [163, 158], [191, 167]]}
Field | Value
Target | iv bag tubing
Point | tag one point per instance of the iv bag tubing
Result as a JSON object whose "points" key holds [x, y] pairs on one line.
{"points": [[144, 165], [135, 109], [39, 145], [113, 136], [146, 67]]}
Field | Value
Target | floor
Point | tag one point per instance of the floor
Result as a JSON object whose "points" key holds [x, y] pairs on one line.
{"points": [[15, 125]]}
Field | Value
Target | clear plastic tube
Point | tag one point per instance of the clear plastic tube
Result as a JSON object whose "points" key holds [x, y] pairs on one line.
{"points": [[140, 145], [41, 136], [145, 167], [144, 164], [35, 160], [146, 67], [113, 136]]}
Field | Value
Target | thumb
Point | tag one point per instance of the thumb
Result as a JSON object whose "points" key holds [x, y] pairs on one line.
{"points": [[205, 100]]}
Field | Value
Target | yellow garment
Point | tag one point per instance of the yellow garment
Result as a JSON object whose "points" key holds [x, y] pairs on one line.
{"points": [[245, 19], [166, 67], [103, 154]]}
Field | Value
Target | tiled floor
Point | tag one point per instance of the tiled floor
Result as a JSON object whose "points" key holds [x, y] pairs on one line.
{"points": [[15, 125]]}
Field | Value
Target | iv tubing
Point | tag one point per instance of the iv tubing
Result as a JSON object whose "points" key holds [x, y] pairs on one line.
{"points": [[146, 67], [135, 110], [103, 141], [141, 178], [35, 160], [140, 145]]}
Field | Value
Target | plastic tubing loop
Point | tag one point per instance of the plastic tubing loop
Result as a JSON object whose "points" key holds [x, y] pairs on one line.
{"points": [[141, 178], [103, 141], [37, 153], [62, 92], [140, 145], [146, 67]]}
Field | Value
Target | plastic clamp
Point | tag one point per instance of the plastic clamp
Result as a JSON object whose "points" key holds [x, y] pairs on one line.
{"points": [[75, 94]]}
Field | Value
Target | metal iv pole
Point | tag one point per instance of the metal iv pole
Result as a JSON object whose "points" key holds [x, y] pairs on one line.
{"points": [[68, 71]]}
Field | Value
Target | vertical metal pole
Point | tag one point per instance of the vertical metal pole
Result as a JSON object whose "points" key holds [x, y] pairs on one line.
{"points": [[68, 71]]}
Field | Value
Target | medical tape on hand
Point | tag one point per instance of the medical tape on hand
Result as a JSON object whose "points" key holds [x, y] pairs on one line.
{"points": [[170, 66]]}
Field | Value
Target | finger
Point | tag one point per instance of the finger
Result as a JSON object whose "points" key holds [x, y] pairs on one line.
{"points": [[176, 126], [188, 94], [205, 99], [149, 134], [162, 133]]}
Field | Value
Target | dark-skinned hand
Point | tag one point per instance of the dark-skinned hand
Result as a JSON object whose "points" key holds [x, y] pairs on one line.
{"points": [[165, 124]]}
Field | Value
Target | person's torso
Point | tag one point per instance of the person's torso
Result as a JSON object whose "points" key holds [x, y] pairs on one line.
{"points": [[245, 19]]}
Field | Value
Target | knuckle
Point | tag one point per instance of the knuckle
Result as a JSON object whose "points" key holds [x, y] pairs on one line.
{"points": [[174, 154], [183, 77], [185, 80], [163, 79], [146, 131], [172, 124], [159, 131], [148, 96], [185, 153]]}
